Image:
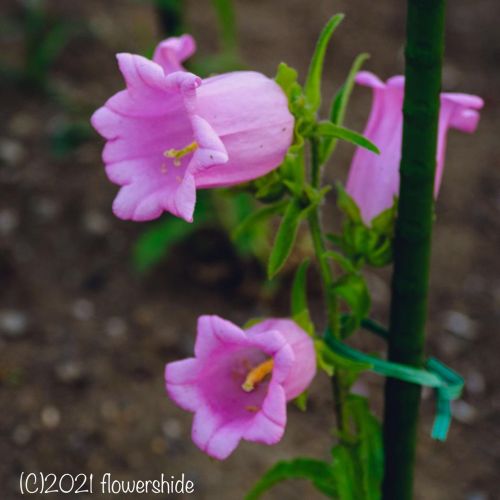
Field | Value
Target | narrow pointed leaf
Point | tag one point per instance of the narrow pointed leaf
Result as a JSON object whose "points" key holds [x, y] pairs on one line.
{"points": [[227, 23], [155, 243], [339, 105], [341, 99], [319, 473], [329, 129], [257, 217], [285, 238], [312, 86]]}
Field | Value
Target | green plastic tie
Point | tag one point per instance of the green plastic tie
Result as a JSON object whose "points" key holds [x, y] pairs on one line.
{"points": [[447, 383]]}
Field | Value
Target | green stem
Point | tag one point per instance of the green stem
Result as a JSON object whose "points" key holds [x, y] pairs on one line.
{"points": [[326, 274], [424, 54], [315, 163]]}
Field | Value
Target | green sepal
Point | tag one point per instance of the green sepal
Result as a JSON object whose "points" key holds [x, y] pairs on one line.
{"points": [[269, 188], [359, 242], [252, 322], [353, 290]]}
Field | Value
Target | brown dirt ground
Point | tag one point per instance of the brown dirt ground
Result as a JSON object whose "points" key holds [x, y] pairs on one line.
{"points": [[81, 385]]}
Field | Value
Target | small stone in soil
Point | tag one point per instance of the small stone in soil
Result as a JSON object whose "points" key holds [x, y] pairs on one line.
{"points": [[172, 428], [11, 152], [96, 223], [9, 220], [22, 434], [69, 372], [477, 495], [460, 325], [45, 208], [475, 383], [463, 412], [116, 327], [83, 309], [51, 417], [13, 323]]}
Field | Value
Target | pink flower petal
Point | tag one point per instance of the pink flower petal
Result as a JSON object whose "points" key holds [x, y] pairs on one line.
{"points": [[225, 440], [268, 426], [170, 53], [274, 406], [180, 382], [168, 125], [373, 180], [213, 332]]}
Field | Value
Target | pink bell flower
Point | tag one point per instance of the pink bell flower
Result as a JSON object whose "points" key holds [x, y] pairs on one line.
{"points": [[373, 180], [170, 132], [239, 381]]}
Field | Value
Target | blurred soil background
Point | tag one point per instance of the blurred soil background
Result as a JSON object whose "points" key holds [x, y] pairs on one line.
{"points": [[84, 338]]}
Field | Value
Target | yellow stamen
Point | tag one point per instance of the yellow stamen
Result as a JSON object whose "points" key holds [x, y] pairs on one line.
{"points": [[177, 154], [257, 375]]}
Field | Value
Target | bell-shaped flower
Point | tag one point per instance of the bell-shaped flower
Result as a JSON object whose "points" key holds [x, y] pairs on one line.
{"points": [[373, 179], [170, 132], [239, 381]]}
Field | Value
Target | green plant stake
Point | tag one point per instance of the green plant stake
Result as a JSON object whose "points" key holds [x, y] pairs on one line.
{"points": [[424, 54]]}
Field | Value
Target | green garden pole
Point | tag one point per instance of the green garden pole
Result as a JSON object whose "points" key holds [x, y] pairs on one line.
{"points": [[424, 55]]}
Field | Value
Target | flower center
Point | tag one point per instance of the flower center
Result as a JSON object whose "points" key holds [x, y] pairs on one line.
{"points": [[177, 154], [257, 374]]}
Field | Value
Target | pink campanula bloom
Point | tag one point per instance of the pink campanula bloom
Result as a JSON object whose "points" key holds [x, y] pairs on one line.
{"points": [[373, 179], [239, 381], [170, 132]]}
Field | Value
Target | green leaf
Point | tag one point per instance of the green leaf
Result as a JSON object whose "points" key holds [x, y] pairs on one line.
{"points": [[155, 243], [352, 288], [227, 23], [345, 473], [341, 99], [330, 361], [312, 86], [347, 265], [347, 205], [369, 451], [301, 401], [318, 472], [269, 188], [285, 237], [329, 129], [66, 137], [358, 466], [257, 217], [299, 305], [339, 106]]}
